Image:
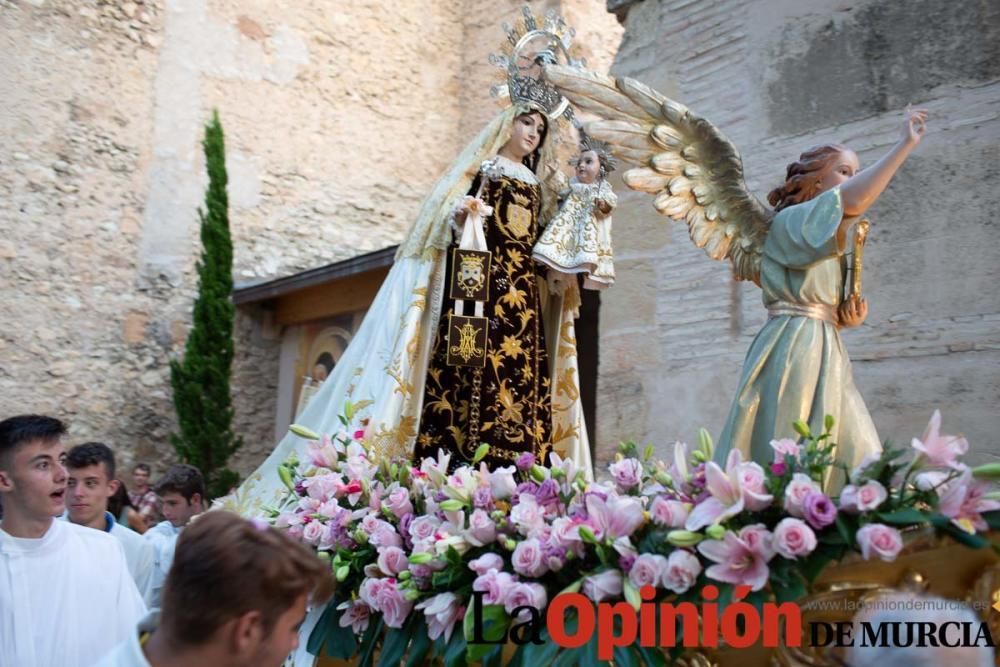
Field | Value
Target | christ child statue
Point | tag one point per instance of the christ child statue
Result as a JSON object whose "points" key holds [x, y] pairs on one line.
{"points": [[578, 238]]}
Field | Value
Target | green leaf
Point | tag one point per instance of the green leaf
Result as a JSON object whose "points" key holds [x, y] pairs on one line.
{"points": [[370, 640], [968, 539], [454, 654], [420, 645], [494, 629], [652, 656], [845, 531], [394, 646], [535, 655], [819, 559], [905, 516], [625, 656], [322, 628], [992, 519], [793, 589]]}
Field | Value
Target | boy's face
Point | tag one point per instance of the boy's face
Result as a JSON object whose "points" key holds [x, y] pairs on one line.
{"points": [[588, 167], [140, 479], [178, 510], [33, 479], [283, 638], [87, 493]]}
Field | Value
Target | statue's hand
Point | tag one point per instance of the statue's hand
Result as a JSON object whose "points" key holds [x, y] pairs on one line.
{"points": [[852, 312], [914, 125]]}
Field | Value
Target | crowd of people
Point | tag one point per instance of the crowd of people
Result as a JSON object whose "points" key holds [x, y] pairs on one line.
{"points": [[91, 574]]}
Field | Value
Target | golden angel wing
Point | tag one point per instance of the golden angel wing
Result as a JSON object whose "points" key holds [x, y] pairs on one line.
{"points": [[694, 172]]}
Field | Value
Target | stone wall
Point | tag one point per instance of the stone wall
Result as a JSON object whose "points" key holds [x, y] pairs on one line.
{"points": [[778, 77], [338, 118]]}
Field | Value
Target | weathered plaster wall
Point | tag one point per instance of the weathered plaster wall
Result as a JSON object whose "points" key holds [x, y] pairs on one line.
{"points": [[778, 76]]}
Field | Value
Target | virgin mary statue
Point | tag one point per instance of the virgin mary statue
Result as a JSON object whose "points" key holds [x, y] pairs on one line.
{"points": [[413, 387]]}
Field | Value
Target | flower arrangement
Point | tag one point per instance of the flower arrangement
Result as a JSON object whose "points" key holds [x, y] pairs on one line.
{"points": [[411, 545]]}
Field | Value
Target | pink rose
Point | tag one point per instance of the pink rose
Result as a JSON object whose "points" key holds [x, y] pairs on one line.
{"points": [[683, 568], [796, 492], [604, 585], [370, 589], [876, 539], [794, 538], [495, 584], [527, 515], [481, 530], [528, 560], [524, 594], [313, 532], [669, 513], [394, 606], [399, 502], [759, 539], [485, 563], [385, 535], [627, 473], [565, 533], [648, 570], [321, 487], [392, 561], [502, 482], [754, 486], [784, 447], [424, 527], [864, 498]]}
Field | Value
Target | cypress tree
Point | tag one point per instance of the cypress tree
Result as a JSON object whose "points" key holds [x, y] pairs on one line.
{"points": [[200, 380]]}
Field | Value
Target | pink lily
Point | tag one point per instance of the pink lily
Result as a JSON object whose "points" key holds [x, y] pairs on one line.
{"points": [[962, 500], [729, 496], [738, 561], [615, 517], [941, 450]]}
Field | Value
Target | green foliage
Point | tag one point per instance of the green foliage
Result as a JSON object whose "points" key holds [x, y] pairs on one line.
{"points": [[200, 380]]}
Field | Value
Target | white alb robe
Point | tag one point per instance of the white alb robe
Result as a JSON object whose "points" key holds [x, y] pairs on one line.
{"points": [[163, 537], [129, 652], [139, 554], [66, 598]]}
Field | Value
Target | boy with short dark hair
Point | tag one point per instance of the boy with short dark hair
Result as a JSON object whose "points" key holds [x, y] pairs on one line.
{"points": [[66, 596], [182, 493], [261, 581], [91, 483]]}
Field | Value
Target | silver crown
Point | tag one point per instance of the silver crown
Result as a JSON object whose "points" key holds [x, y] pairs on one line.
{"points": [[527, 50]]}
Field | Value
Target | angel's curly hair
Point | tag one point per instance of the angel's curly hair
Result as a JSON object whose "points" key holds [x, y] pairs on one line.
{"points": [[800, 177]]}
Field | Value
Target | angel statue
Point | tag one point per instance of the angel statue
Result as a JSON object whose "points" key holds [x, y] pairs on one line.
{"points": [[797, 367], [463, 344]]}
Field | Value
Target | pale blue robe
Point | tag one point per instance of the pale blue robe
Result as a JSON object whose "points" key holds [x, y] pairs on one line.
{"points": [[797, 366]]}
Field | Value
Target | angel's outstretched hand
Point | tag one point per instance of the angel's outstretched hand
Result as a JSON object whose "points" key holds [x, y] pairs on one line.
{"points": [[852, 312], [914, 125]]}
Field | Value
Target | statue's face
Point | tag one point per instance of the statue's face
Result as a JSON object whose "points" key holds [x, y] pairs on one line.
{"points": [[526, 134], [588, 167], [838, 170]]}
